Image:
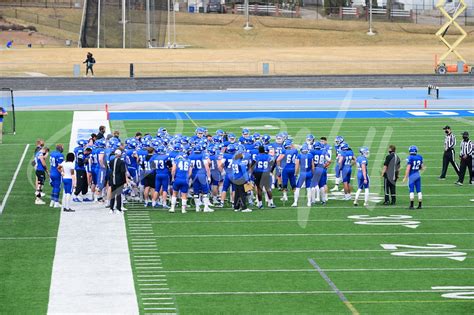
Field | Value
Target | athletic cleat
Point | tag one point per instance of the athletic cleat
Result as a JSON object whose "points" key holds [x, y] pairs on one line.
{"points": [[51, 204], [76, 200], [236, 210], [355, 204], [198, 209], [411, 208], [442, 178], [87, 200], [336, 188], [272, 206], [208, 210], [247, 210], [165, 206], [323, 203], [458, 183], [39, 202], [386, 203], [183, 211], [260, 207], [111, 211], [366, 204], [347, 198], [284, 198], [419, 207], [124, 209], [57, 205], [309, 204], [317, 200], [171, 210], [71, 210], [219, 205], [294, 204]]}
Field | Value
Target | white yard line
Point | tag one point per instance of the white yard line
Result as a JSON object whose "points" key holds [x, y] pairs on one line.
{"points": [[313, 270], [297, 292], [303, 234], [278, 221], [12, 182], [92, 272], [282, 251]]}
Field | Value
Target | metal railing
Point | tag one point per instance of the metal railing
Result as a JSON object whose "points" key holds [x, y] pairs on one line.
{"points": [[244, 68]]}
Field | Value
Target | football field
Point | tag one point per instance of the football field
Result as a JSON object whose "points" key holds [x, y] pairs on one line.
{"points": [[336, 259]]}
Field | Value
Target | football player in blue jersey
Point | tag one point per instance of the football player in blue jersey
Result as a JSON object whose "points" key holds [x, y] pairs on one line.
{"points": [[201, 174], [310, 141], [225, 166], [55, 159], [99, 171], [363, 180], [412, 174], [41, 171], [245, 136], [215, 156], [304, 167], [321, 161], [180, 174], [148, 177], [345, 160], [278, 148], [261, 169], [338, 143], [286, 163], [161, 163], [80, 171], [88, 167]]}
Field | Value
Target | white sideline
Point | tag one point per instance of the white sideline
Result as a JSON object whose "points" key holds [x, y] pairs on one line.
{"points": [[91, 270], [4, 201]]}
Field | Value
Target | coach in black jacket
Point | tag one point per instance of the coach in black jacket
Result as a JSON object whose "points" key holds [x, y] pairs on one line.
{"points": [[117, 179]]}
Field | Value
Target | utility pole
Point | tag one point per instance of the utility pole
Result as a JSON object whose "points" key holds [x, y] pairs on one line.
{"points": [[370, 32], [98, 24], [148, 26], [247, 26], [123, 22]]}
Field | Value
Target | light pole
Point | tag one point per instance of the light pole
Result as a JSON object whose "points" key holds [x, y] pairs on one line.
{"points": [[370, 32], [123, 21], [98, 24], [247, 26]]}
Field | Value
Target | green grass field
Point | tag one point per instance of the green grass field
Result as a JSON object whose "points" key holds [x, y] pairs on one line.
{"points": [[259, 263]]}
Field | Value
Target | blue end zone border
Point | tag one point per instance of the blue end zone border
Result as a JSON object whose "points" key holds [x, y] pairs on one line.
{"points": [[219, 115]]}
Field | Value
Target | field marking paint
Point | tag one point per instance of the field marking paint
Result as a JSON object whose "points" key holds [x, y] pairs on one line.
{"points": [[281, 251], [12, 182], [429, 251], [278, 221], [457, 292], [402, 220], [27, 238], [408, 301], [291, 292], [333, 286], [312, 270], [305, 235]]}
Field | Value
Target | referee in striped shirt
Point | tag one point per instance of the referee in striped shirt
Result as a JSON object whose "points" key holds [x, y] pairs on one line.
{"points": [[449, 153], [466, 159]]}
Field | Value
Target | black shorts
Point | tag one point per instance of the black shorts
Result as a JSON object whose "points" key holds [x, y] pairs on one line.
{"points": [[149, 181], [263, 180], [41, 176]]}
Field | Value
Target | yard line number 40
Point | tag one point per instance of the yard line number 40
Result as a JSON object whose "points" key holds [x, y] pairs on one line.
{"points": [[428, 251]]}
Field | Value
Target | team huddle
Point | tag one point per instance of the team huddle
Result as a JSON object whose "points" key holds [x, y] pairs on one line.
{"points": [[167, 170]]}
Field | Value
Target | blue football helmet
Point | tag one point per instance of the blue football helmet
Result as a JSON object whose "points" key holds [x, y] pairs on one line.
{"points": [[266, 139], [339, 140], [364, 151], [413, 150], [304, 148]]}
